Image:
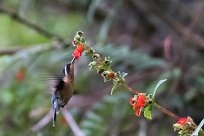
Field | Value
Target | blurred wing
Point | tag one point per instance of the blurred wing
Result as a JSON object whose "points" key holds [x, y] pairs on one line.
{"points": [[52, 82]]}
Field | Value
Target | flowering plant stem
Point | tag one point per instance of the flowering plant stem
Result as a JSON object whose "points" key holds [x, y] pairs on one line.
{"points": [[166, 111], [134, 91], [140, 102]]}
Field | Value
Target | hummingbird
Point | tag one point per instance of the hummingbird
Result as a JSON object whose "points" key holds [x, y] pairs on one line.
{"points": [[63, 90]]}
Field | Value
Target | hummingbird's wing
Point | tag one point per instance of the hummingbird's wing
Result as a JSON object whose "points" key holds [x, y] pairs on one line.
{"points": [[52, 82]]}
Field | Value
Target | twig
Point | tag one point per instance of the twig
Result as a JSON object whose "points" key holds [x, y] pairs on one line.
{"points": [[130, 88], [29, 24], [9, 51], [30, 49], [166, 111], [75, 102], [75, 128], [44, 121]]}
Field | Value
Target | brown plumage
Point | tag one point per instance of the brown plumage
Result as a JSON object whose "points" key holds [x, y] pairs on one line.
{"points": [[63, 90]]}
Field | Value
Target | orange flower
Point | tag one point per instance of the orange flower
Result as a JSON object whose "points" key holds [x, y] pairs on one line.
{"points": [[62, 120], [78, 51], [138, 102], [20, 75]]}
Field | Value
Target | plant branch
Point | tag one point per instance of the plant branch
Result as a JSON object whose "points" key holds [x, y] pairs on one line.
{"points": [[31, 48], [130, 88], [29, 24], [166, 111], [70, 120], [9, 51], [44, 121]]}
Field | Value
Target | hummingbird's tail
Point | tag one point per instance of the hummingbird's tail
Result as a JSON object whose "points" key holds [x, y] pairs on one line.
{"points": [[55, 107], [54, 117]]}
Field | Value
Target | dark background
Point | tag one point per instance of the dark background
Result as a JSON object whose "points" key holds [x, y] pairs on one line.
{"points": [[150, 40]]}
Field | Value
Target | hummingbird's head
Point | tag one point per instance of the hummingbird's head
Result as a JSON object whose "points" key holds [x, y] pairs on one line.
{"points": [[66, 70]]}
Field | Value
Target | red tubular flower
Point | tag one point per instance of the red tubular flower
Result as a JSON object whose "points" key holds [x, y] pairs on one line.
{"points": [[182, 121], [138, 103], [78, 51]]}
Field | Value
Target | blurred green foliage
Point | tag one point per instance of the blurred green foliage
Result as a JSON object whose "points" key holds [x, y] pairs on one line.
{"points": [[132, 33], [15, 34]]}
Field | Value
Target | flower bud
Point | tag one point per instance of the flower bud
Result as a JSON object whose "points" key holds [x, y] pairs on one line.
{"points": [[74, 43], [80, 33], [111, 75], [96, 56], [77, 38], [92, 65], [107, 60], [100, 71]]}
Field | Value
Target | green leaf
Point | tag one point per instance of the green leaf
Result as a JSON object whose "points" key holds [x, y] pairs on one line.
{"points": [[113, 88], [157, 86], [196, 131], [147, 112]]}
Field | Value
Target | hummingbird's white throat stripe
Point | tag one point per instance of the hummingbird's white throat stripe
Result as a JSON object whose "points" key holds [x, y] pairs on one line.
{"points": [[66, 71]]}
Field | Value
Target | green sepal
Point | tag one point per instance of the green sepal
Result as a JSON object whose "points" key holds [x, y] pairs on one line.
{"points": [[148, 112], [120, 77]]}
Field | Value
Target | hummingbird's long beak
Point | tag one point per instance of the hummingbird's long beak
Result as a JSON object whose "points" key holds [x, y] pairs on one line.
{"points": [[73, 60]]}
